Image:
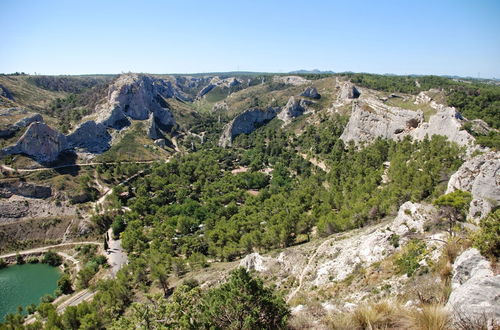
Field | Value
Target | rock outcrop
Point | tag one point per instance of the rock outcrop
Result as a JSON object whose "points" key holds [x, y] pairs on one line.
{"points": [[218, 82], [311, 92], [39, 142], [481, 177], [475, 289], [152, 129], [7, 189], [290, 80], [90, 137], [374, 119], [4, 92], [136, 96], [245, 123], [447, 122], [348, 92], [292, 109]]}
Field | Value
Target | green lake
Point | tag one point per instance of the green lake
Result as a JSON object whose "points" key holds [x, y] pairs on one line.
{"points": [[22, 285]]}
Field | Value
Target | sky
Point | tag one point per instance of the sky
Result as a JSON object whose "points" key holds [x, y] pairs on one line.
{"points": [[448, 37]]}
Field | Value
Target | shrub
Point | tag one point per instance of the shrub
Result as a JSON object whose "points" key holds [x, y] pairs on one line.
{"points": [[409, 260], [52, 258], [487, 238]]}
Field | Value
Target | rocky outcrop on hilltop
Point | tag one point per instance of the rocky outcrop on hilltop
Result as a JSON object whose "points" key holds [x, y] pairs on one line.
{"points": [[311, 92], [348, 92], [475, 289], [4, 92], [293, 108], [245, 123], [9, 188], [90, 137], [39, 142], [481, 177], [218, 82], [448, 122], [291, 80], [136, 96], [374, 119]]}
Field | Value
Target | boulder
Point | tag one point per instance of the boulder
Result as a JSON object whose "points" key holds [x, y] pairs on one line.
{"points": [[245, 123], [254, 261], [311, 92], [40, 142], [475, 289], [91, 137], [481, 177], [374, 119], [292, 109]]}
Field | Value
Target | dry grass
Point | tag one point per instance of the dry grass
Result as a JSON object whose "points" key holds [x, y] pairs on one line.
{"points": [[388, 314]]}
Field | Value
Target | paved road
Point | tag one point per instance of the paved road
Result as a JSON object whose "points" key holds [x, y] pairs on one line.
{"points": [[116, 255]]}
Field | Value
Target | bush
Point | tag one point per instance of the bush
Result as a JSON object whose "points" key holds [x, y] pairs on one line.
{"points": [[52, 258], [64, 284], [3, 263], [409, 260], [487, 238], [19, 259]]}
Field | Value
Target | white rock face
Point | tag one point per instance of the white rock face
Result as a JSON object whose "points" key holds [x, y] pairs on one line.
{"points": [[40, 142], [91, 137], [447, 122], [291, 80], [255, 261], [475, 289], [348, 92], [481, 177], [372, 119], [292, 109], [136, 96], [218, 82]]}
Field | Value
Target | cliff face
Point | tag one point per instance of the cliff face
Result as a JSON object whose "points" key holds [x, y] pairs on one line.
{"points": [[136, 96], [246, 123], [90, 137], [370, 120], [293, 108], [39, 142], [481, 177]]}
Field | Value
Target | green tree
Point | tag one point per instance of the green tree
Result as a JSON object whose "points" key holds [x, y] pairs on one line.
{"points": [[243, 303], [64, 284], [52, 258], [454, 207], [487, 238]]}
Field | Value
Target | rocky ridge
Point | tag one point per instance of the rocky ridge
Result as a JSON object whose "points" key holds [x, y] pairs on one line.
{"points": [[293, 108]]}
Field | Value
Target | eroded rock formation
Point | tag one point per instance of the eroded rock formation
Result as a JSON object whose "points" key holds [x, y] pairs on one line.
{"points": [[311, 92], [90, 137], [246, 122], [292, 109]]}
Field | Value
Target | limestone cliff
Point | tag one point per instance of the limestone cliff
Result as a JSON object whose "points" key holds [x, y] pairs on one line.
{"points": [[372, 119], [246, 123], [40, 142], [136, 96], [311, 92], [90, 137]]}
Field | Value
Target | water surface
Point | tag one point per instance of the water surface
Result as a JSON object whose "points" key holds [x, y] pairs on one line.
{"points": [[22, 285]]}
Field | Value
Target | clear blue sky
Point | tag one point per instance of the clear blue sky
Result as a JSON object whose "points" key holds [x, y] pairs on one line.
{"points": [[451, 37]]}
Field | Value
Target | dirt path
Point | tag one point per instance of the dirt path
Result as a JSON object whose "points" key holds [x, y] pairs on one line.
{"points": [[11, 169], [117, 257], [48, 247]]}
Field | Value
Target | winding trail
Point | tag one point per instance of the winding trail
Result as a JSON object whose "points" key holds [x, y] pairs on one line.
{"points": [[11, 169]]}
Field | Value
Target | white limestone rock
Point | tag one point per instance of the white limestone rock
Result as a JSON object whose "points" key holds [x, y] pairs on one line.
{"points": [[475, 288]]}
